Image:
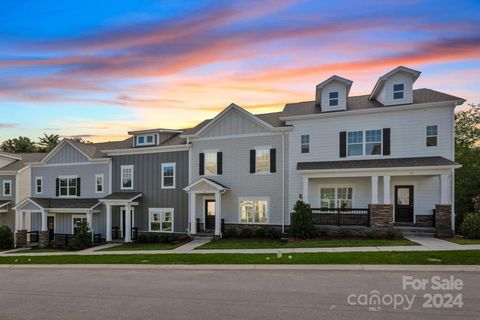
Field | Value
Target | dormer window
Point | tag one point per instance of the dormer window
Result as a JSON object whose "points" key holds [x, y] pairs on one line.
{"points": [[333, 99], [398, 90], [145, 140]]}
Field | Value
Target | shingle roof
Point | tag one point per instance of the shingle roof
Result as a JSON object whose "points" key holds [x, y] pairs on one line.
{"points": [[94, 150], [51, 203], [3, 203], [122, 195], [362, 102], [376, 163], [26, 158]]}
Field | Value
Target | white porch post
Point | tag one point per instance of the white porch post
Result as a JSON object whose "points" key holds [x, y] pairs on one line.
{"points": [[374, 190], [218, 217], [89, 218], [444, 189], [109, 223], [305, 190], [386, 190], [128, 222], [193, 220], [20, 225], [44, 220]]}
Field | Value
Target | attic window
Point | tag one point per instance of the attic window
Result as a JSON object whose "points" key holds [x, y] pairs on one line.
{"points": [[333, 99], [398, 91], [145, 140]]}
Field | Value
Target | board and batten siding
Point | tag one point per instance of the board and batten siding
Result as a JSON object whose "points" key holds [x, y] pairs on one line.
{"points": [[67, 154], [147, 179], [233, 123]]}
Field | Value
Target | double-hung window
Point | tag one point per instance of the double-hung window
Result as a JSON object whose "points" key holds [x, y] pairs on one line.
{"points": [[68, 186], [333, 99], [254, 210], [305, 143], [99, 183], [355, 143], [432, 136], [210, 163], [168, 175], [262, 160], [373, 142], [145, 140], [398, 90], [368, 143], [38, 185], [126, 177], [7, 187], [160, 219], [77, 223], [336, 197]]}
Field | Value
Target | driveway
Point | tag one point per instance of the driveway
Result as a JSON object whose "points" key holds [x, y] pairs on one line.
{"points": [[64, 293]]}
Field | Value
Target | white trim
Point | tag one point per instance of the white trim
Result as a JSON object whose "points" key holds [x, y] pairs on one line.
{"points": [[209, 182], [59, 147], [99, 175], [262, 148], [161, 211], [89, 162], [240, 199], [427, 136], [124, 167], [145, 137], [68, 195], [154, 149], [41, 185], [82, 216], [381, 81], [5, 204], [246, 135], [364, 144], [21, 203], [169, 164], [204, 198], [205, 163], [10, 156], [4, 182], [365, 172]]}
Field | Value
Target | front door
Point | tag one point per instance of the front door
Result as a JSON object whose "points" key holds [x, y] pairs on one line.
{"points": [[209, 214], [403, 203], [51, 226]]}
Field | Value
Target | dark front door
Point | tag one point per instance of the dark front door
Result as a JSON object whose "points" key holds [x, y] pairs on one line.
{"points": [[209, 214], [403, 203], [51, 226]]}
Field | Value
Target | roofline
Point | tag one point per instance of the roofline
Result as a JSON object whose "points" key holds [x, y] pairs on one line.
{"points": [[381, 80], [208, 181], [144, 150], [140, 194], [9, 173], [57, 149], [455, 166], [21, 203], [9, 155], [403, 107], [5, 204], [348, 83], [91, 161], [154, 131]]}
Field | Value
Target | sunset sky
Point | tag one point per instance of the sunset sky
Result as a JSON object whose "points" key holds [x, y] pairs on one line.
{"points": [[97, 69]]}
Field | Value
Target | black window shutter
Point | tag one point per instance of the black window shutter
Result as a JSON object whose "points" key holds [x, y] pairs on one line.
{"points": [[219, 163], [57, 187], [386, 141], [201, 164], [273, 160], [252, 161], [78, 187], [343, 144]]}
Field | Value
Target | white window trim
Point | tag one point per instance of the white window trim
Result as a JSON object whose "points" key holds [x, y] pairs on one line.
{"points": [[170, 164], [240, 199], [137, 143], [10, 189], [402, 91], [124, 167], [330, 99], [82, 216], [364, 144], [161, 211], [437, 135], [336, 186], [256, 148], [204, 162], [68, 187], [41, 185], [306, 134], [100, 175]]}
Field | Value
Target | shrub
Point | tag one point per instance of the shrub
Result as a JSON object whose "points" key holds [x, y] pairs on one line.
{"points": [[344, 232], [476, 204], [273, 233], [164, 238], [470, 227], [6, 237], [302, 221], [171, 238], [371, 234], [259, 233], [153, 238], [393, 234], [142, 237], [322, 232], [246, 232], [230, 233], [83, 236]]}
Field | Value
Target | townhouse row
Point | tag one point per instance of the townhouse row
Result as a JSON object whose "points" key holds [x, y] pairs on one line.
{"points": [[378, 160]]}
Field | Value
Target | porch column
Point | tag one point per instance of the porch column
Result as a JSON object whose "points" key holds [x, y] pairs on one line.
{"points": [[20, 225], [44, 220], [386, 190], [108, 236], [128, 222], [218, 212], [374, 190], [444, 198], [305, 190], [89, 219], [193, 220]]}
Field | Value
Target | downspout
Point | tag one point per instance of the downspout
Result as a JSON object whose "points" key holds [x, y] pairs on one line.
{"points": [[283, 181], [189, 182], [453, 170]]}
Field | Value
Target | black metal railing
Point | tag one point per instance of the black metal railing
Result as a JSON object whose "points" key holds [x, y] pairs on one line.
{"points": [[434, 212], [97, 238], [134, 233], [32, 236], [341, 216], [61, 240], [116, 234]]}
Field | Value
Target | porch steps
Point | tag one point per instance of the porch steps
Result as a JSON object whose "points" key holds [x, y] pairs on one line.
{"points": [[416, 231], [201, 236]]}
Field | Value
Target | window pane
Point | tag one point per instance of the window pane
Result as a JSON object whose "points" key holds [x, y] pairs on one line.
{"points": [[262, 160], [155, 226], [166, 226], [333, 95], [355, 149], [327, 197], [72, 182], [333, 102], [398, 87], [355, 137], [431, 141], [63, 182], [141, 140], [149, 139], [210, 163], [398, 95], [432, 130]]}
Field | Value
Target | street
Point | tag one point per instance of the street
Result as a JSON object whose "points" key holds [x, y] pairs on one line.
{"points": [[222, 294]]}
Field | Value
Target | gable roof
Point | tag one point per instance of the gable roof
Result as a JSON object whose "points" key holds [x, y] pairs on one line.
{"points": [[208, 181], [25, 159], [10, 155], [348, 83], [54, 203], [381, 81]]}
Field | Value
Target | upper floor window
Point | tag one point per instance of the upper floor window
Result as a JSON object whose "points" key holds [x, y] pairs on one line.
{"points": [[7, 187], [373, 142], [99, 183], [210, 163], [333, 99], [38, 185], [371, 145], [126, 177], [68, 186], [398, 90], [305, 143], [254, 210], [355, 143], [432, 135], [145, 140], [168, 175], [262, 160]]}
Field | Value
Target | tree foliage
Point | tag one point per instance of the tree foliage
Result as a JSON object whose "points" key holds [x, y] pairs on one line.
{"points": [[18, 145], [302, 221], [83, 236], [48, 142]]}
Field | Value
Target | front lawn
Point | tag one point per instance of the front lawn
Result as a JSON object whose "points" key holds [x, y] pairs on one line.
{"points": [[467, 257], [39, 250], [144, 246], [464, 241], [314, 243]]}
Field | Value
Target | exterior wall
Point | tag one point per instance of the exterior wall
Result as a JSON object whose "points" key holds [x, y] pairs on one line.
{"points": [[233, 123], [385, 95], [342, 96], [147, 179], [68, 154], [13, 187], [236, 174], [24, 184], [8, 219], [63, 221]]}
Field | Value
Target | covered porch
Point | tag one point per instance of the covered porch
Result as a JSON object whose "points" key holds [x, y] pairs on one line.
{"points": [[205, 206]]}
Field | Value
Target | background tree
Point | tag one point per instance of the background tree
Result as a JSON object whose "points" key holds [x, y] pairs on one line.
{"points": [[467, 153], [48, 142], [18, 145], [80, 139]]}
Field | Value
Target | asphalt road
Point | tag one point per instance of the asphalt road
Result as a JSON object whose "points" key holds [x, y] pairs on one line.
{"points": [[226, 294]]}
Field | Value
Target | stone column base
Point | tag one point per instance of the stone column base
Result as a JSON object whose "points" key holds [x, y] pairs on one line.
{"points": [[21, 238], [381, 215], [443, 216], [43, 239]]}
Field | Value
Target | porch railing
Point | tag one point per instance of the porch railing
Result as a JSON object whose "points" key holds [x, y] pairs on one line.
{"points": [[341, 216], [116, 234], [33, 236]]}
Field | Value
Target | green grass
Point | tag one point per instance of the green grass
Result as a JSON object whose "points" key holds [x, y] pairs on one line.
{"points": [[273, 244], [144, 246], [39, 250], [464, 241], [467, 257]]}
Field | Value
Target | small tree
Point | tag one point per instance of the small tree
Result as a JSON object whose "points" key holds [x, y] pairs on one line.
{"points": [[302, 221], [470, 226], [6, 237], [83, 236]]}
